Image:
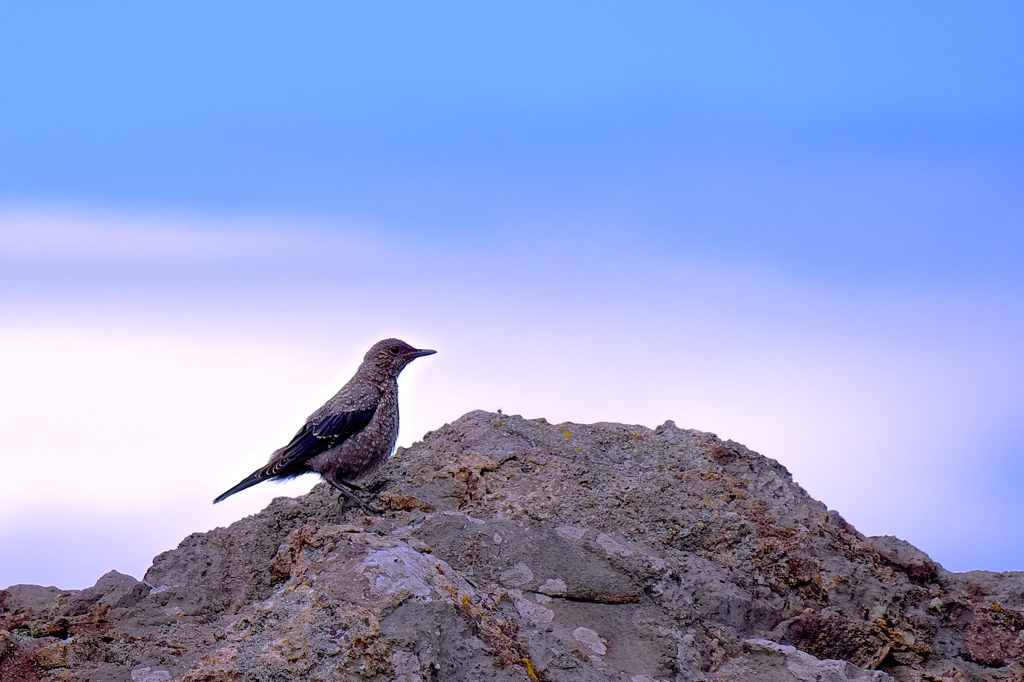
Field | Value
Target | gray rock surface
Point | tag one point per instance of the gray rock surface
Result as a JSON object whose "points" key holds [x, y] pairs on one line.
{"points": [[768, 661], [514, 549]]}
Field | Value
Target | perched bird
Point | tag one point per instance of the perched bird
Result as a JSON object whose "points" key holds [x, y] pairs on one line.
{"points": [[353, 433]]}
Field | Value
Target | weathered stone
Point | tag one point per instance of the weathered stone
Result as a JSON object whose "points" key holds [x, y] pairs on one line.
{"points": [[514, 549], [767, 661], [114, 590]]}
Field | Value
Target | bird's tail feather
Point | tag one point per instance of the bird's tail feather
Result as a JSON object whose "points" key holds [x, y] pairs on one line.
{"points": [[251, 480]]}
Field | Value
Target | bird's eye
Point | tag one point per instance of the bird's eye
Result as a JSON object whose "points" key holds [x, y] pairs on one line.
{"points": [[395, 350]]}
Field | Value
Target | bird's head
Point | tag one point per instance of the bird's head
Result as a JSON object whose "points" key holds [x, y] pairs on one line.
{"points": [[390, 356]]}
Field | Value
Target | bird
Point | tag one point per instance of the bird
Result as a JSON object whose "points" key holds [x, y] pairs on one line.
{"points": [[352, 434]]}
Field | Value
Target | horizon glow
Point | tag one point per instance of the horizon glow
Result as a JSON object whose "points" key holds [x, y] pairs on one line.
{"points": [[862, 395]]}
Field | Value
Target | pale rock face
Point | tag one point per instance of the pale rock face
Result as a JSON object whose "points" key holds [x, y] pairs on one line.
{"points": [[768, 661], [150, 675], [593, 641], [512, 552]]}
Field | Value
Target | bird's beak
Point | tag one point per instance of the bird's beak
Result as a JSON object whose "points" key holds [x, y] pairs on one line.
{"points": [[420, 353]]}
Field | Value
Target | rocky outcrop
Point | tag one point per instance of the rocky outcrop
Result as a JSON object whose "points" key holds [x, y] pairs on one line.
{"points": [[514, 549]]}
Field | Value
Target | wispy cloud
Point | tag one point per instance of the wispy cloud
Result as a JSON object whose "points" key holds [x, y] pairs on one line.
{"points": [[95, 235]]}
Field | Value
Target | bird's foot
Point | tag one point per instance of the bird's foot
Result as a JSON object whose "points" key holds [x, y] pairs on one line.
{"points": [[354, 501], [348, 498]]}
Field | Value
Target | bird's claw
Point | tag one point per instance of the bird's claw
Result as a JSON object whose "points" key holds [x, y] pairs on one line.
{"points": [[347, 499]]}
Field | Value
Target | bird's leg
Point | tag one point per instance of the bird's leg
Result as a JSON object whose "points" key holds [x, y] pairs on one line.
{"points": [[344, 488], [377, 485], [348, 497], [352, 486]]}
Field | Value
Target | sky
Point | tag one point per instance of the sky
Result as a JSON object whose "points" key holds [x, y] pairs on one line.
{"points": [[797, 225]]}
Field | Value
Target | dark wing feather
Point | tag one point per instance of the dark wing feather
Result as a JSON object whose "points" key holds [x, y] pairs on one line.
{"points": [[319, 436], [342, 425], [247, 482], [315, 436]]}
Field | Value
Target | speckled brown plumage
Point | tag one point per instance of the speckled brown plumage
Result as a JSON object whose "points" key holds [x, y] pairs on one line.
{"points": [[353, 433]]}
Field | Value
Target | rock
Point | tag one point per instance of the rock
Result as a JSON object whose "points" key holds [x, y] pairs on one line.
{"points": [[909, 559], [32, 600], [766, 661], [150, 675], [514, 549], [113, 590]]}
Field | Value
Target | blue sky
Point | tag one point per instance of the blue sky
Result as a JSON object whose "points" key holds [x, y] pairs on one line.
{"points": [[798, 225], [860, 137]]}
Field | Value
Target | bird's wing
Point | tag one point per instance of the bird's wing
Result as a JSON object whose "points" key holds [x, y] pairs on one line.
{"points": [[314, 437], [317, 436], [340, 418], [341, 425]]}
